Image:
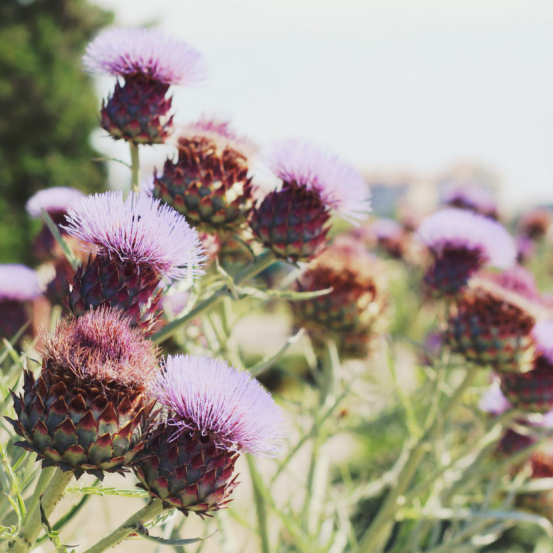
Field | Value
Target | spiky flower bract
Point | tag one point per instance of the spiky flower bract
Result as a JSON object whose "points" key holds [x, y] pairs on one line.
{"points": [[149, 62], [85, 409], [532, 391], [19, 285], [292, 219], [351, 314], [461, 242], [136, 243], [472, 197], [491, 325], [209, 182], [213, 413]]}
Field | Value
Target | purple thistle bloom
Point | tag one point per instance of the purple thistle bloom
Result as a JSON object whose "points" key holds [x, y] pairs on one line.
{"points": [[139, 229], [55, 201], [543, 336], [493, 401], [307, 165], [18, 283], [208, 396], [471, 196], [387, 228], [457, 229], [145, 52]]}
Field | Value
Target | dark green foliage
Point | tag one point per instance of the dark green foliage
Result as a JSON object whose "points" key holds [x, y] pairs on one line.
{"points": [[48, 108]]}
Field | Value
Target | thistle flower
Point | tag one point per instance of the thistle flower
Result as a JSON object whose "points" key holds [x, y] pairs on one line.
{"points": [[136, 243], [213, 413], [19, 286], [209, 183], [491, 325], [462, 242], [493, 401], [292, 220], [149, 62], [55, 201], [84, 411], [535, 223], [471, 197], [532, 391], [352, 313]]}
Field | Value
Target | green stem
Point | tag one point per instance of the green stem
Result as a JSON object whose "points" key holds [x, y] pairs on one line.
{"points": [[135, 167], [152, 510], [261, 262], [32, 523], [44, 479], [375, 538], [260, 507]]}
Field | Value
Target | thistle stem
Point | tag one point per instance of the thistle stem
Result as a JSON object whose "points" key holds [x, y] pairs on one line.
{"points": [[32, 522], [260, 507], [152, 510], [375, 538], [135, 167], [259, 264]]}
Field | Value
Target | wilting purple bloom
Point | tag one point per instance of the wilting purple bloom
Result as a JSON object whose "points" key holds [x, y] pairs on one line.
{"points": [[139, 229], [470, 196], [147, 52], [340, 186], [493, 401], [55, 201], [208, 396], [463, 230], [543, 336], [18, 283], [101, 346]]}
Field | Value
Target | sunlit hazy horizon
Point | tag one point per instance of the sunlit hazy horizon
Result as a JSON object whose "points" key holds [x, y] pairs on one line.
{"points": [[404, 85]]}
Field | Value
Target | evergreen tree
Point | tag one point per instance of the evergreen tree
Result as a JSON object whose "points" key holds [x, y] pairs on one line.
{"points": [[48, 108]]}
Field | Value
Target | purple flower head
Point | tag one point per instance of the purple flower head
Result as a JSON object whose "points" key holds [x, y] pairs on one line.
{"points": [[543, 336], [208, 396], [456, 229], [469, 196], [54, 201], [147, 52], [493, 401], [141, 230], [340, 186], [18, 283], [516, 279], [387, 228], [218, 130]]}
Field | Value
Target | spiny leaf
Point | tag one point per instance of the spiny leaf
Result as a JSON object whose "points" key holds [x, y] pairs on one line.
{"points": [[162, 541]]}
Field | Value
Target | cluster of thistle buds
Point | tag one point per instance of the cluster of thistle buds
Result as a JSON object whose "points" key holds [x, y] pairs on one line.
{"points": [[91, 408]]}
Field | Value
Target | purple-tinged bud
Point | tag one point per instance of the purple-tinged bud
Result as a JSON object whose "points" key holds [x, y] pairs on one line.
{"points": [[213, 413], [471, 197], [209, 182], [19, 286], [461, 242], [85, 410], [149, 62], [55, 201], [532, 391], [293, 220], [352, 313], [136, 243]]}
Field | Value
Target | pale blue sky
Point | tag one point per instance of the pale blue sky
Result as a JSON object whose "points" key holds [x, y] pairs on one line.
{"points": [[389, 84]]}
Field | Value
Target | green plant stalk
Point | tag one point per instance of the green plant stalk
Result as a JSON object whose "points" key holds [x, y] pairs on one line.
{"points": [[44, 479], [260, 507], [135, 167], [32, 523], [376, 536], [152, 510], [261, 263]]}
